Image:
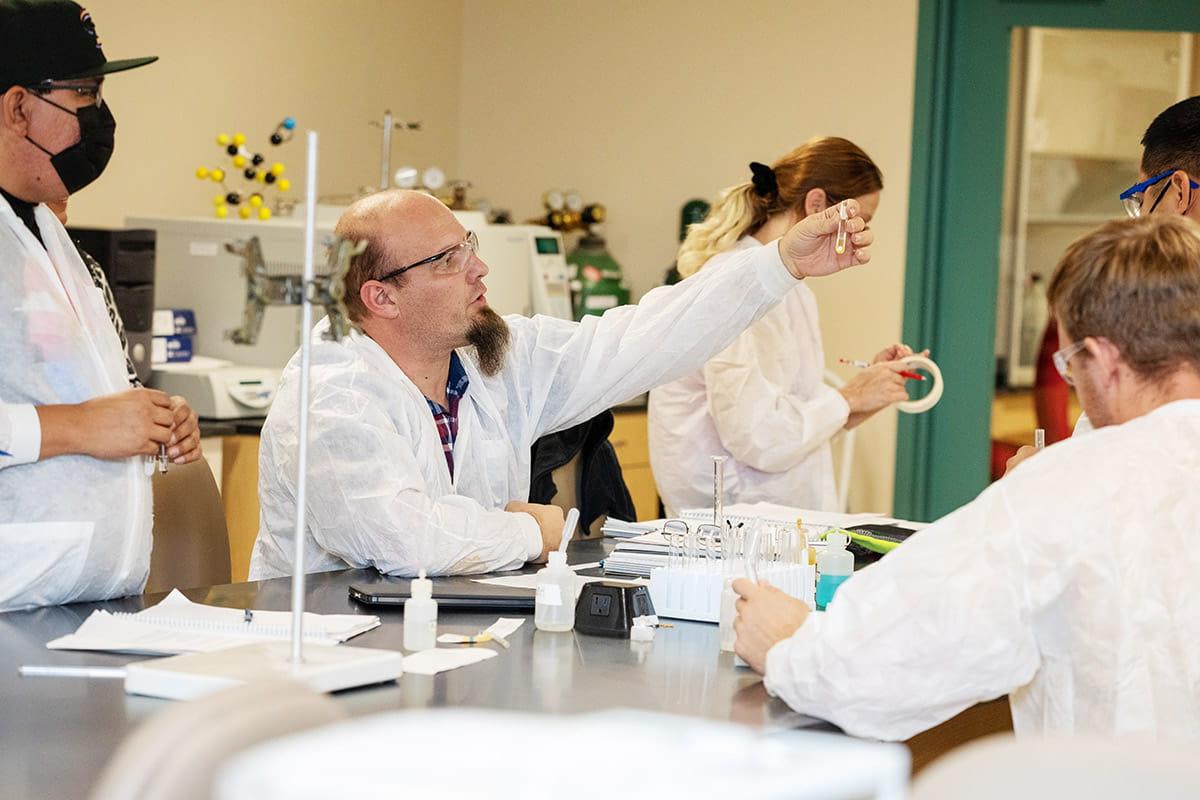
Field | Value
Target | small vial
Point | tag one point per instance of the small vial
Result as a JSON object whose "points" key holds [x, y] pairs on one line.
{"points": [[162, 459], [843, 218]]}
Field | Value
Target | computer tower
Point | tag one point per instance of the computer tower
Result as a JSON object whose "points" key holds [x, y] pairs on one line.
{"points": [[127, 258]]}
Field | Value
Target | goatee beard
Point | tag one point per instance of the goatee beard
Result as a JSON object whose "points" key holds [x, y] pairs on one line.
{"points": [[489, 336]]}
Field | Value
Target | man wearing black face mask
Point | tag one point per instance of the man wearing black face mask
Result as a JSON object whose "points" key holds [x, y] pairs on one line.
{"points": [[74, 489]]}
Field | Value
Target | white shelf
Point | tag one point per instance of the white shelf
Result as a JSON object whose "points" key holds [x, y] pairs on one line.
{"points": [[1122, 157], [1072, 219]]}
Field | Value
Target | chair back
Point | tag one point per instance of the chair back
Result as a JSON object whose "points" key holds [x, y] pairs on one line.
{"points": [[191, 542]]}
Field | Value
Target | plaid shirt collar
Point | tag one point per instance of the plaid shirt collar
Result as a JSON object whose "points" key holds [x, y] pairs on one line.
{"points": [[446, 418]]}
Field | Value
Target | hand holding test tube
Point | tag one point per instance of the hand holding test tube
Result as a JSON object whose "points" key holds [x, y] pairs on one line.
{"points": [[811, 247]]}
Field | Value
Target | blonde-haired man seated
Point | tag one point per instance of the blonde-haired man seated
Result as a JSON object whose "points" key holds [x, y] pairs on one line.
{"points": [[1077, 597]]}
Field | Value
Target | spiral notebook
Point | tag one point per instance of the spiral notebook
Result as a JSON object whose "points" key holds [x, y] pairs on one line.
{"points": [[177, 625]]}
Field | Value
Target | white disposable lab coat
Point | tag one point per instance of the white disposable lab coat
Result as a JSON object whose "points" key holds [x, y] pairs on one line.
{"points": [[762, 403], [72, 528], [379, 492], [1070, 585]]}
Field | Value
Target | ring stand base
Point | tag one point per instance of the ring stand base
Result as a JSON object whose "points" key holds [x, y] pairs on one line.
{"points": [[326, 668]]}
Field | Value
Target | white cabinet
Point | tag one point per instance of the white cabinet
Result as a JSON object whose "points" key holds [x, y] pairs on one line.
{"points": [[1079, 104]]}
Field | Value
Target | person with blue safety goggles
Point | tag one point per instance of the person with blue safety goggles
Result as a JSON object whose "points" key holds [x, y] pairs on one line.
{"points": [[1134, 198], [1170, 159]]}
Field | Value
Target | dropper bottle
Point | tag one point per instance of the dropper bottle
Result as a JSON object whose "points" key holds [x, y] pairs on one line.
{"points": [[554, 606], [420, 615]]}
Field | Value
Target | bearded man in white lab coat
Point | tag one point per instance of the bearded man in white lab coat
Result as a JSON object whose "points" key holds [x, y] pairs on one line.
{"points": [[1070, 584], [422, 420], [75, 500]]}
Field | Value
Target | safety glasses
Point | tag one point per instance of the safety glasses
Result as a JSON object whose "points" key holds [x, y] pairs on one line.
{"points": [[92, 90], [1062, 360], [1135, 196], [450, 261]]}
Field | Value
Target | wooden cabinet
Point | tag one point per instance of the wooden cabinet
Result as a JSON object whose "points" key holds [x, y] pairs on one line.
{"points": [[631, 439], [239, 495]]}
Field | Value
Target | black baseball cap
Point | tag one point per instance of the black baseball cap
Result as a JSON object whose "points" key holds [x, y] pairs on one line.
{"points": [[56, 40]]}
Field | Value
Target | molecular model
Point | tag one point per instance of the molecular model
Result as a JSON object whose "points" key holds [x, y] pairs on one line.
{"points": [[248, 199]]}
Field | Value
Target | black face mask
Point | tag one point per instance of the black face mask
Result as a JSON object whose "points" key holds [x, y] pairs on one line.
{"points": [[82, 162]]}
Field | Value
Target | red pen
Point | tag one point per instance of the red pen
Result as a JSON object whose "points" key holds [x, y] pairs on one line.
{"points": [[912, 376]]}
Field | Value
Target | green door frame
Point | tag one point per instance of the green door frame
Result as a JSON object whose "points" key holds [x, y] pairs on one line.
{"points": [[954, 220]]}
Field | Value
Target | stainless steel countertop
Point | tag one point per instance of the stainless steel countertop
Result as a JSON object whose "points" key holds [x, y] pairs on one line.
{"points": [[56, 734]]}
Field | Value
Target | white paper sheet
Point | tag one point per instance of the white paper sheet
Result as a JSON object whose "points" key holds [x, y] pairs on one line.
{"points": [[431, 662], [177, 625], [505, 626]]}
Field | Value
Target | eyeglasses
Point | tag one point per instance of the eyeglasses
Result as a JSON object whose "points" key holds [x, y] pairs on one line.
{"points": [[450, 261], [93, 91], [1135, 196], [1062, 360]]}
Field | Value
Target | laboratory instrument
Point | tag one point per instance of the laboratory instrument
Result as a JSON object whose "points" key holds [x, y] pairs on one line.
{"points": [[127, 258], [389, 124], [610, 609], [323, 668], [702, 564], [718, 490], [219, 389], [420, 615], [528, 274], [1039, 438]]}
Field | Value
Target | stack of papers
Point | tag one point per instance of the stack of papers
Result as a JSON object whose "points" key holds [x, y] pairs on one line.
{"points": [[637, 556], [177, 625], [619, 529]]}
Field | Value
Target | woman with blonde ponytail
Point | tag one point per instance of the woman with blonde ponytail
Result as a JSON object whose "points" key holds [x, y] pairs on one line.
{"points": [[762, 402]]}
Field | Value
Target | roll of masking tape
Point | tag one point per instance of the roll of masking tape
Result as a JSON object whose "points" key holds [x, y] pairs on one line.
{"points": [[921, 405]]}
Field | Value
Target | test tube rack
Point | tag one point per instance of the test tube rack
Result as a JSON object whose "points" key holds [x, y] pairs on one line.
{"points": [[694, 592]]}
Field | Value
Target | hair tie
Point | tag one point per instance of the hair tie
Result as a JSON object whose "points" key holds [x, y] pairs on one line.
{"points": [[763, 179]]}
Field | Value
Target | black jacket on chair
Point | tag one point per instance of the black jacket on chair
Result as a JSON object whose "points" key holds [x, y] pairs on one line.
{"points": [[601, 489]]}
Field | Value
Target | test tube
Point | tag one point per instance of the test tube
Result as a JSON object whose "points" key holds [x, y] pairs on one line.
{"points": [[675, 532], [162, 459], [718, 490], [1039, 438], [843, 217], [753, 550], [710, 540]]}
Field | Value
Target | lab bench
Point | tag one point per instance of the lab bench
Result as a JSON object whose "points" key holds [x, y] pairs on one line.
{"points": [[56, 734]]}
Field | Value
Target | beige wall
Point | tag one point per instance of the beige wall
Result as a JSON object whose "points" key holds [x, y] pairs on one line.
{"points": [[644, 105], [638, 105], [229, 65]]}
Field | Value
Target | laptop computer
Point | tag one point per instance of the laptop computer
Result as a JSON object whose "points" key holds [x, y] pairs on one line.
{"points": [[455, 593]]}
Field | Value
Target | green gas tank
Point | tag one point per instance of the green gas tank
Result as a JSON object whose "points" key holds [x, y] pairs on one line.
{"points": [[597, 282]]}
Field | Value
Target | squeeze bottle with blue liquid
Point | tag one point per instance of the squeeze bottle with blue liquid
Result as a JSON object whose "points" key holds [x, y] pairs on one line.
{"points": [[834, 566]]}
